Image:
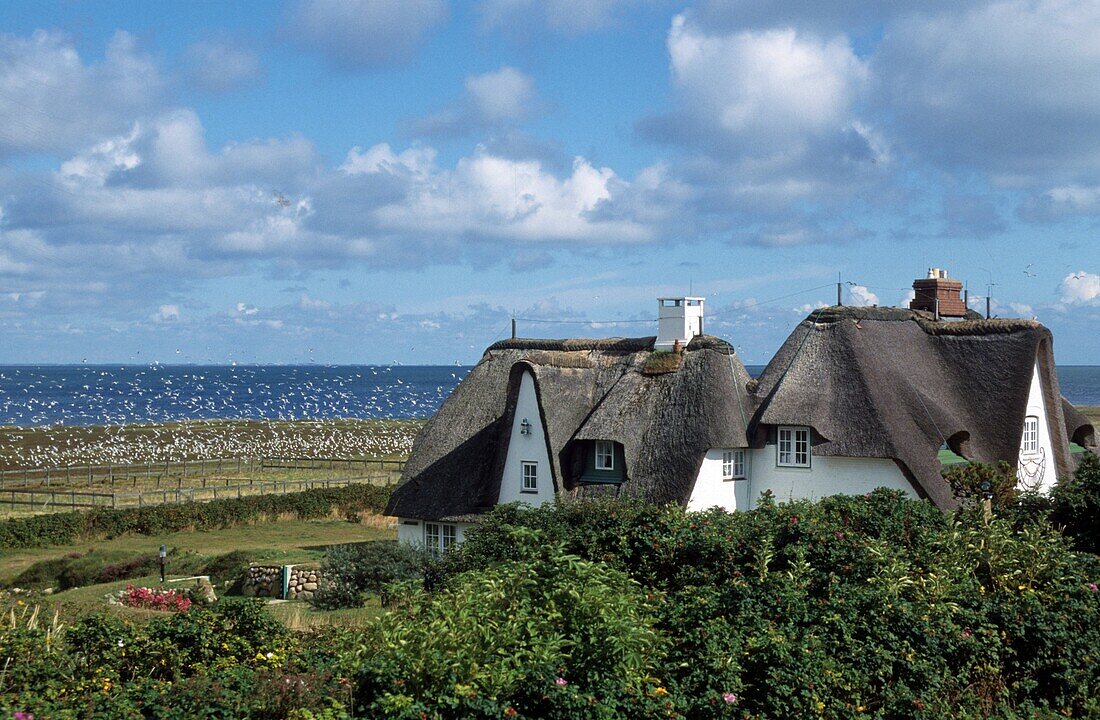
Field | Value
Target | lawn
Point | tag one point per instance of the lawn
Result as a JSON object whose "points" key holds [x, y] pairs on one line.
{"points": [[283, 543]]}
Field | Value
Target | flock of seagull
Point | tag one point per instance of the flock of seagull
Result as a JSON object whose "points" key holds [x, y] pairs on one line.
{"points": [[86, 414]]}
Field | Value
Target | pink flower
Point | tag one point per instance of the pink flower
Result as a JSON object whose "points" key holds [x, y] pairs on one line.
{"points": [[20, 715], [729, 698], [794, 520], [966, 633], [839, 535], [1092, 586], [561, 682]]}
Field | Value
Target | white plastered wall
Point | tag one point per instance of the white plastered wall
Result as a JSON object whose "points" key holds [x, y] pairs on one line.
{"points": [[711, 490], [526, 448], [411, 530], [827, 475], [1036, 471]]}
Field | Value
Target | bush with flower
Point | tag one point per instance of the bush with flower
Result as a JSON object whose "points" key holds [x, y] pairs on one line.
{"points": [[152, 598]]}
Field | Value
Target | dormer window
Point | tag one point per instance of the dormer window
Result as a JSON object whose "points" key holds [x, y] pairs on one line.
{"points": [[793, 448], [1031, 435], [605, 455]]}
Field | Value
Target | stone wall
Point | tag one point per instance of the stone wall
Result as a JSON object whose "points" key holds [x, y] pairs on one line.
{"points": [[267, 581], [303, 583]]}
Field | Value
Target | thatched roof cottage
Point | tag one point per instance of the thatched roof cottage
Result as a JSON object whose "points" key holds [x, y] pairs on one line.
{"points": [[856, 398]]}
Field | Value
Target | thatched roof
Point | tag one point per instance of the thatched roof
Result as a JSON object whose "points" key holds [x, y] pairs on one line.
{"points": [[664, 421], [872, 382], [1079, 429], [890, 383]]}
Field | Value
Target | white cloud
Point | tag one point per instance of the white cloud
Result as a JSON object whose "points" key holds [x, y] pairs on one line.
{"points": [[246, 309], [503, 94], [771, 87], [487, 196], [492, 101], [166, 314], [1008, 86], [219, 67], [378, 158], [365, 34], [54, 102], [860, 296], [1080, 288]]}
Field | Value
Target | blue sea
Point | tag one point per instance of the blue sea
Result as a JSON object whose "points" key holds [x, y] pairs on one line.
{"points": [[113, 394]]}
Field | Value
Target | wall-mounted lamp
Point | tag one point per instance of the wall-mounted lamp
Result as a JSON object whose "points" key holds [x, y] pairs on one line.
{"points": [[524, 427]]}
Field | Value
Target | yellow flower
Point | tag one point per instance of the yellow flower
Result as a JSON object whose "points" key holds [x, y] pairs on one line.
{"points": [[661, 692]]}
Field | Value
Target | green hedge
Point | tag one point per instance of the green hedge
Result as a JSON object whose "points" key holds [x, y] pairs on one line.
{"points": [[66, 528]]}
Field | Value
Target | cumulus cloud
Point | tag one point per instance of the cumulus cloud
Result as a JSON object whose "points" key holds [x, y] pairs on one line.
{"points": [[166, 314], [1080, 288], [767, 87], [860, 296], [485, 196], [54, 102], [770, 119], [1007, 87], [218, 67], [364, 34], [491, 101]]}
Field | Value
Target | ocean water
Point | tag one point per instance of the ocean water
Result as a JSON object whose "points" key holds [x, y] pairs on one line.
{"points": [[102, 394]]}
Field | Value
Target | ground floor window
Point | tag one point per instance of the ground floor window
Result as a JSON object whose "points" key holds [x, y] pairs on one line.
{"points": [[793, 448], [733, 464], [439, 537]]}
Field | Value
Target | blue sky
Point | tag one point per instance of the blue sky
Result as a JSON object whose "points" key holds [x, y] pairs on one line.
{"points": [[372, 182]]}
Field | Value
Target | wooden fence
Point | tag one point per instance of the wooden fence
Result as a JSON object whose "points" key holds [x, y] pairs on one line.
{"points": [[58, 500], [89, 475]]}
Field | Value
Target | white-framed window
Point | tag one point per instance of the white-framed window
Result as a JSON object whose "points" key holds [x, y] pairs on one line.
{"points": [[733, 464], [530, 482], [1031, 435], [793, 448], [605, 455], [439, 537]]}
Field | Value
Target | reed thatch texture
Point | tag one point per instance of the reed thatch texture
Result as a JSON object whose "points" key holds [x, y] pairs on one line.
{"points": [[889, 383]]}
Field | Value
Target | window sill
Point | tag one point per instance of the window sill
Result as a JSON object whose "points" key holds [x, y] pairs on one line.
{"points": [[528, 492], [792, 467], [734, 479]]}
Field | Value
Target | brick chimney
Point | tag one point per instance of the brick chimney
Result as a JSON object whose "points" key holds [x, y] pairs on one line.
{"points": [[937, 294]]}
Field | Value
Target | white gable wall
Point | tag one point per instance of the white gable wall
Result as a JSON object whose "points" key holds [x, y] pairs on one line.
{"points": [[1036, 471], [710, 489], [526, 448]]}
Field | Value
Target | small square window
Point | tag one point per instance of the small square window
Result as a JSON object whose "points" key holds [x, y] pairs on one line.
{"points": [[530, 483], [733, 464], [793, 448], [605, 455]]}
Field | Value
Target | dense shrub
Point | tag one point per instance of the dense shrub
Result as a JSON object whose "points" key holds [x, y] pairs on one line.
{"points": [[231, 661], [553, 636], [65, 528], [872, 604], [351, 571], [1076, 505]]}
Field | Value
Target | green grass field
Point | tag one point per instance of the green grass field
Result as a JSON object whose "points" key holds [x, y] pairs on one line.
{"points": [[287, 542], [1092, 412]]}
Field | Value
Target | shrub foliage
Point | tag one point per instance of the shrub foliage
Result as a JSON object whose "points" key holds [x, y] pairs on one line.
{"points": [[66, 528], [350, 572]]}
